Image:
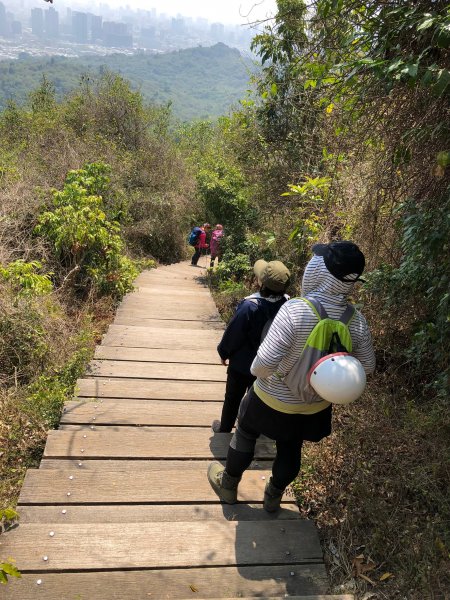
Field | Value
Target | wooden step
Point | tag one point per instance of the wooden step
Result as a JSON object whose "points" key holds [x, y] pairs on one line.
{"points": [[130, 464], [157, 513], [145, 545], [157, 486], [145, 370], [231, 582], [151, 390], [145, 442], [149, 337], [172, 355], [141, 412], [141, 321]]}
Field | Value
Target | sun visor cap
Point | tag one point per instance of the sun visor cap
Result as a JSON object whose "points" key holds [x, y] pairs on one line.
{"points": [[273, 275], [342, 259]]}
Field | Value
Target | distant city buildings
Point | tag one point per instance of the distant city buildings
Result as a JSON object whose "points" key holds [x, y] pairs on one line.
{"points": [[37, 22], [65, 25]]}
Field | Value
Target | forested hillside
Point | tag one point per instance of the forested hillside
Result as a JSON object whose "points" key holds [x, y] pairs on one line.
{"points": [[200, 83], [346, 136]]}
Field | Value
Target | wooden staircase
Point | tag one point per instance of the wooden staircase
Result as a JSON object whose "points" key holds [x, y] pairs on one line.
{"points": [[121, 509]]}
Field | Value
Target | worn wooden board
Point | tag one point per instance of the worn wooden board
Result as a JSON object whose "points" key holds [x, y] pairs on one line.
{"points": [[167, 323], [153, 390], [148, 545], [197, 299], [141, 412], [175, 584], [168, 313], [157, 513], [130, 464], [145, 370], [162, 313], [145, 442], [158, 486], [148, 337], [170, 355], [153, 290]]}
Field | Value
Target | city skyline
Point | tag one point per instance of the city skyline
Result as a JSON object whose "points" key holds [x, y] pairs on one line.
{"points": [[233, 12]]}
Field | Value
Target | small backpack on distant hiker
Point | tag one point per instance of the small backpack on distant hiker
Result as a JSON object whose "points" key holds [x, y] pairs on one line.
{"points": [[194, 235], [325, 369]]}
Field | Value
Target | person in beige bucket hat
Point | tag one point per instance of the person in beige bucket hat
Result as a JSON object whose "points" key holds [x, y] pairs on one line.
{"points": [[273, 275], [244, 333]]}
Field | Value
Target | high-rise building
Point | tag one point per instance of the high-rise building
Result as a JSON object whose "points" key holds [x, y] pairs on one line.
{"points": [[217, 31], [51, 23], [116, 35], [80, 27], [37, 22], [177, 25], [96, 27], [3, 20], [16, 28]]}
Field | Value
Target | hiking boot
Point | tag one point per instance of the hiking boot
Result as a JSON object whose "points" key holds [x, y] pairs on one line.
{"points": [[223, 484], [272, 497], [216, 426]]}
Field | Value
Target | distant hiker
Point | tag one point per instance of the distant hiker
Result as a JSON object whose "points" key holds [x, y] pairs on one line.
{"points": [[200, 243], [242, 337], [216, 240], [270, 408]]}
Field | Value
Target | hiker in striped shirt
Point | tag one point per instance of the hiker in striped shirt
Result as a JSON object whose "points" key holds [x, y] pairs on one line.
{"points": [[270, 408]]}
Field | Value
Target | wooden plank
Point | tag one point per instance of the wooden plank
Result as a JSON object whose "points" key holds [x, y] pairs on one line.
{"points": [[159, 486], [202, 292], [136, 308], [175, 584], [145, 442], [167, 323], [169, 281], [123, 465], [148, 545], [173, 301], [168, 314], [151, 390], [172, 355], [148, 337], [145, 370], [141, 412], [157, 513]]}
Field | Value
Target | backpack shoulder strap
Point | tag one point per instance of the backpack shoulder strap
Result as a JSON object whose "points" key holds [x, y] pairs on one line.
{"points": [[316, 307], [348, 314]]}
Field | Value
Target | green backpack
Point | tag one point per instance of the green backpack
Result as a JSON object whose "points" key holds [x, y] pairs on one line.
{"points": [[327, 337]]}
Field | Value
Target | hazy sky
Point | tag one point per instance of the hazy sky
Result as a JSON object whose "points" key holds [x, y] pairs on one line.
{"points": [[225, 11]]}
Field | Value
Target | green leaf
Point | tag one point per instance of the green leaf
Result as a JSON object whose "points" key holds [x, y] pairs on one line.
{"points": [[442, 82], [443, 158], [412, 70], [10, 569], [426, 23]]}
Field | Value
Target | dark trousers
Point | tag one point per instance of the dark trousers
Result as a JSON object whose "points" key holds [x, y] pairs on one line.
{"points": [[196, 256], [286, 465], [236, 388], [288, 430]]}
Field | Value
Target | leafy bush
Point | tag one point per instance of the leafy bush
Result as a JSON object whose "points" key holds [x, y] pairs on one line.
{"points": [[416, 294], [85, 240], [23, 276]]}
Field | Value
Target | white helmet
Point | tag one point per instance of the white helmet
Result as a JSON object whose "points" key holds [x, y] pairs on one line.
{"points": [[338, 378]]}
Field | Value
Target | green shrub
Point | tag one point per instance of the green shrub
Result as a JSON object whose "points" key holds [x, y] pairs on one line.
{"points": [[86, 241]]}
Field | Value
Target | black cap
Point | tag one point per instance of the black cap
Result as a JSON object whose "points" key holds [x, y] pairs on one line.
{"points": [[342, 259]]}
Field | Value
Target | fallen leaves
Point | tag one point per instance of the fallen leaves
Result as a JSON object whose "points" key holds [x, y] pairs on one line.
{"points": [[360, 568]]}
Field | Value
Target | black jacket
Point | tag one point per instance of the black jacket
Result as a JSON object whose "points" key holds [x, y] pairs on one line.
{"points": [[242, 337]]}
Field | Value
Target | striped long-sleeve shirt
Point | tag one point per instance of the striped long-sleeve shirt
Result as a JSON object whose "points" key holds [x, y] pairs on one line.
{"points": [[288, 334]]}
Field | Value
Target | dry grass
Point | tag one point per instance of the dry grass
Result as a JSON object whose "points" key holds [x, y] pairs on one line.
{"points": [[378, 488]]}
